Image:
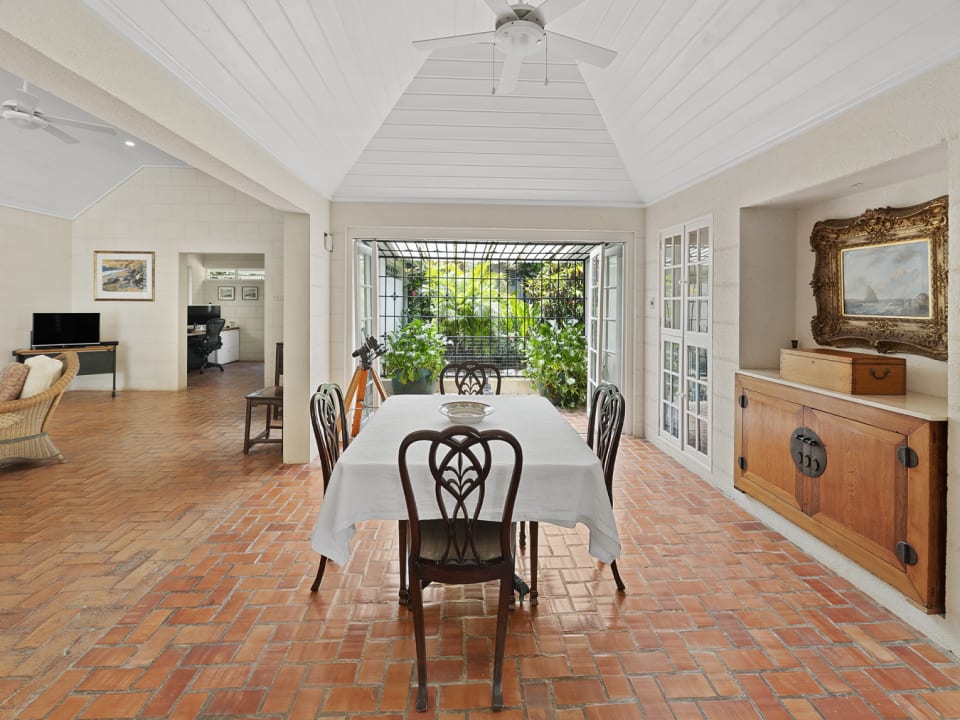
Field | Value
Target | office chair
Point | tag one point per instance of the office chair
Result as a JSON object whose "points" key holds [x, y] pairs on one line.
{"points": [[470, 378], [210, 342], [330, 430], [459, 548]]}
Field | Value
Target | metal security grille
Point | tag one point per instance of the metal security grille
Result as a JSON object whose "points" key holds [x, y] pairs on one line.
{"points": [[484, 296]]}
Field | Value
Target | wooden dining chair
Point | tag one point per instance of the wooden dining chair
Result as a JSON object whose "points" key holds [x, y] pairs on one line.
{"points": [[328, 418], [604, 427], [460, 548], [470, 378], [278, 380]]}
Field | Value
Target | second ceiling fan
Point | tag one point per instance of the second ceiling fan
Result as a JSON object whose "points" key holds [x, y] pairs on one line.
{"points": [[519, 32]]}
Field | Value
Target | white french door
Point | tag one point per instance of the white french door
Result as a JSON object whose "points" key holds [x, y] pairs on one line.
{"points": [[366, 293], [365, 261], [604, 308], [686, 259]]}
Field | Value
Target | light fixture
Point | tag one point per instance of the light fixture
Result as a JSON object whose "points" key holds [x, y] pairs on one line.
{"points": [[129, 143], [518, 37]]}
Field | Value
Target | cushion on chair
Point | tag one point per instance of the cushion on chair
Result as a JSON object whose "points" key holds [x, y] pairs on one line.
{"points": [[12, 378], [44, 371]]}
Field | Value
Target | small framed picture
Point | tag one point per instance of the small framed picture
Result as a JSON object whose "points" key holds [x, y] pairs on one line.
{"points": [[226, 292], [249, 292], [122, 275]]}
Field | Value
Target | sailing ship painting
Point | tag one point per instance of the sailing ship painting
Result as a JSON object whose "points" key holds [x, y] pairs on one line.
{"points": [[889, 280]]}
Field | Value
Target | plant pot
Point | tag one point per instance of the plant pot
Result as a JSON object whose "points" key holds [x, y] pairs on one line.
{"points": [[550, 395], [420, 386]]}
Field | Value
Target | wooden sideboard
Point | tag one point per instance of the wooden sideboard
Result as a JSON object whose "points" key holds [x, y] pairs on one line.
{"points": [[865, 475]]}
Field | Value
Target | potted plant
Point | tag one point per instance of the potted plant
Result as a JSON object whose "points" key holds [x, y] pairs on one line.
{"points": [[557, 362], [415, 357]]}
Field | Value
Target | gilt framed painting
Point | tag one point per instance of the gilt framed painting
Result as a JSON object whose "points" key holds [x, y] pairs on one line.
{"points": [[880, 280]]}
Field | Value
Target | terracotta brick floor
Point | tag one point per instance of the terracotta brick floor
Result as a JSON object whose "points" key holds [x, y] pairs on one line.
{"points": [[162, 573]]}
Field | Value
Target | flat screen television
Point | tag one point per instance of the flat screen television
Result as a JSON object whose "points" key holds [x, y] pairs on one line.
{"points": [[199, 314], [65, 329]]}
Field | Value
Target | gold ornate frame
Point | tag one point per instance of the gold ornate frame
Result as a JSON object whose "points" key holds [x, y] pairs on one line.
{"points": [[882, 226]]}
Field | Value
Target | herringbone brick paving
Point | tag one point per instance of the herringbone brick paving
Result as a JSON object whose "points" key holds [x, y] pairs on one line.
{"points": [[162, 573]]}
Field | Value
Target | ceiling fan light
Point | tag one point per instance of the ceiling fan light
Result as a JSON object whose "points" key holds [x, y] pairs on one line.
{"points": [[518, 37]]}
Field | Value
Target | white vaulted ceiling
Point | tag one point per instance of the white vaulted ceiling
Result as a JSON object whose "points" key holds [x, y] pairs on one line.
{"points": [[41, 173], [335, 90]]}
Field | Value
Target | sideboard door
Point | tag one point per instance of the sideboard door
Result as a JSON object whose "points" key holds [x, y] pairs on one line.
{"points": [[767, 423], [862, 495]]}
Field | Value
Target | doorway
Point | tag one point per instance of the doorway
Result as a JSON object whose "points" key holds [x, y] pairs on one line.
{"points": [[230, 286], [486, 296]]}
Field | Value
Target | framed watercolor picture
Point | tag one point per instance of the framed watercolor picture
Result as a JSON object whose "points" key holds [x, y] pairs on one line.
{"points": [[123, 275], [226, 292], [249, 292]]}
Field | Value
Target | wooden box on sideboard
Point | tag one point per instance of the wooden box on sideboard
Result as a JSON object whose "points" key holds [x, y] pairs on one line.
{"points": [[845, 371]]}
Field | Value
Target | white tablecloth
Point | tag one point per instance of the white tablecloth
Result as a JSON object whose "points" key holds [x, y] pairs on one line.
{"points": [[562, 481]]}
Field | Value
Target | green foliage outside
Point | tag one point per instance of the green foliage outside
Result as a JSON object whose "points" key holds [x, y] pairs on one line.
{"points": [[557, 362], [557, 292], [416, 346], [475, 300], [474, 303]]}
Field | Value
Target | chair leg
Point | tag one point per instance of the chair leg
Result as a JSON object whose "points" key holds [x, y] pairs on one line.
{"points": [[534, 547], [416, 604], [503, 607], [404, 593], [616, 576], [316, 582]]}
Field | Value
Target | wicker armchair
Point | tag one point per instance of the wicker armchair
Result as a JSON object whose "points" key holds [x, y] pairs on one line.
{"points": [[24, 421]]}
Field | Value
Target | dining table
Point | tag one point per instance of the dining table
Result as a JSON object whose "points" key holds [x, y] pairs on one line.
{"points": [[561, 481]]}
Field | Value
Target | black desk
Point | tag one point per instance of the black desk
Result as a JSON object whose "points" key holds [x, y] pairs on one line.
{"points": [[94, 359], [194, 358]]}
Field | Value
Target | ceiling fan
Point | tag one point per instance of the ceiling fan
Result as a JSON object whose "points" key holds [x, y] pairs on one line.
{"points": [[519, 32], [24, 113]]}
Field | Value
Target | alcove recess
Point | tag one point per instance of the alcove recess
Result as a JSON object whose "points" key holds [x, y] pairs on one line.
{"points": [[776, 306], [776, 260]]}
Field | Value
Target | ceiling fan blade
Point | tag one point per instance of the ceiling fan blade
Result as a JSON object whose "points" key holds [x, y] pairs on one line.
{"points": [[509, 75], [58, 133], [580, 50], [502, 9], [26, 101], [453, 41], [550, 10], [96, 127]]}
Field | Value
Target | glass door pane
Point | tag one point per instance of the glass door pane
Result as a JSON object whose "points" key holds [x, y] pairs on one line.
{"points": [[610, 370], [670, 391], [594, 319], [365, 258]]}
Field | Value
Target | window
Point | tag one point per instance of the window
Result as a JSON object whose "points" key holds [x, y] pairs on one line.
{"points": [[235, 274], [485, 297], [219, 274], [686, 256]]}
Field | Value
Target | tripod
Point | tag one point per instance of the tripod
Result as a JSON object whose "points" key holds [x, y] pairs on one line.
{"points": [[357, 389]]}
